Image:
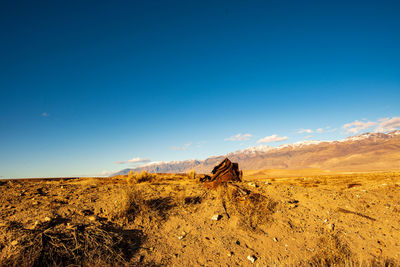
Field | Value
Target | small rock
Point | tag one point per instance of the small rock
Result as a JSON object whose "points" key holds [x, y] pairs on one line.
{"points": [[275, 239], [331, 226], [216, 217], [182, 236], [252, 184], [14, 243], [252, 258], [230, 254], [47, 219], [92, 218]]}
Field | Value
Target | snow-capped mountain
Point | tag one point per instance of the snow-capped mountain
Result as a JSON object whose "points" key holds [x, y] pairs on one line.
{"points": [[365, 152]]}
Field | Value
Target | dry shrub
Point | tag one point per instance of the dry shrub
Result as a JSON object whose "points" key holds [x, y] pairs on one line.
{"points": [[144, 176], [332, 252], [136, 208], [61, 244], [191, 174], [253, 209]]}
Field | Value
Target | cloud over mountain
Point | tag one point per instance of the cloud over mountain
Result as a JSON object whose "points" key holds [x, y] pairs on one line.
{"points": [[239, 137], [272, 138], [382, 125], [134, 161]]}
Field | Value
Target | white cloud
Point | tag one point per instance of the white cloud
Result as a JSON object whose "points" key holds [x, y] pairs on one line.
{"points": [[387, 124], [45, 114], [239, 137], [134, 161], [304, 131], [272, 138], [181, 148], [327, 129], [357, 126], [382, 125]]}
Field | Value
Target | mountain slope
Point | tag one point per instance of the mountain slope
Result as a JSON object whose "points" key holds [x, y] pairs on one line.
{"points": [[366, 152]]}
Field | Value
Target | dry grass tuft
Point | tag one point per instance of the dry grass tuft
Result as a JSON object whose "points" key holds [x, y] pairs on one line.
{"points": [[136, 207], [192, 174], [332, 252], [59, 243], [253, 209], [144, 176]]}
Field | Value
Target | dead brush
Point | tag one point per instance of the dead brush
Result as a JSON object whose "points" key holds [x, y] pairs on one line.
{"points": [[253, 209], [62, 245], [144, 176], [332, 252], [192, 174], [136, 207]]}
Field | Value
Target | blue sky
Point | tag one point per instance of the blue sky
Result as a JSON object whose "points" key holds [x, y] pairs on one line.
{"points": [[86, 84]]}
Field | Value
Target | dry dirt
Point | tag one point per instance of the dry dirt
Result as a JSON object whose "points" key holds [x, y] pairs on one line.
{"points": [[307, 220]]}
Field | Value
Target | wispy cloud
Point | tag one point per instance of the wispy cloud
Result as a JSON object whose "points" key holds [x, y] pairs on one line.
{"points": [[308, 137], [45, 114], [304, 131], [239, 137], [181, 148], [382, 125], [133, 161], [272, 138], [357, 126], [387, 124], [327, 129]]}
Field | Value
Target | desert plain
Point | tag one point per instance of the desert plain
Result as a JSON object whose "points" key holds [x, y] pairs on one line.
{"points": [[306, 217]]}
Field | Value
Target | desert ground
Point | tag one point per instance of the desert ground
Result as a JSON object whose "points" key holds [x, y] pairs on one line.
{"points": [[272, 218]]}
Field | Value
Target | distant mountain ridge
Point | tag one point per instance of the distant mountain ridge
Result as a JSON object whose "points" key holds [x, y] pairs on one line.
{"points": [[365, 152]]}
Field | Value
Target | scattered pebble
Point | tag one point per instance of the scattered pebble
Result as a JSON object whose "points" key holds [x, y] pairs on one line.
{"points": [[275, 239], [331, 226], [252, 184], [216, 217], [14, 243], [252, 258], [182, 236], [47, 219], [92, 218], [230, 254]]}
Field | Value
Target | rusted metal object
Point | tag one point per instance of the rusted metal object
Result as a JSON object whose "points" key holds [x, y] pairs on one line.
{"points": [[226, 171]]}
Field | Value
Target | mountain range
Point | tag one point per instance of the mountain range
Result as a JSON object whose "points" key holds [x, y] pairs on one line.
{"points": [[365, 152]]}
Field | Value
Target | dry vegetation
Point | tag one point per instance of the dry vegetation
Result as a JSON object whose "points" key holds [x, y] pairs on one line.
{"points": [[148, 219]]}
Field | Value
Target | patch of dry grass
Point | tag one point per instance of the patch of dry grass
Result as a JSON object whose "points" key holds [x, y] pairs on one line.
{"points": [[59, 243], [144, 176], [137, 207], [191, 174], [253, 209], [332, 252]]}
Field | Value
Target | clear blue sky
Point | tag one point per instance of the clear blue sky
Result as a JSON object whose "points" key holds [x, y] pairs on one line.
{"points": [[84, 84]]}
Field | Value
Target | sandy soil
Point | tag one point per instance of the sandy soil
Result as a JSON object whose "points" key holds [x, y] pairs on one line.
{"points": [[308, 220]]}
